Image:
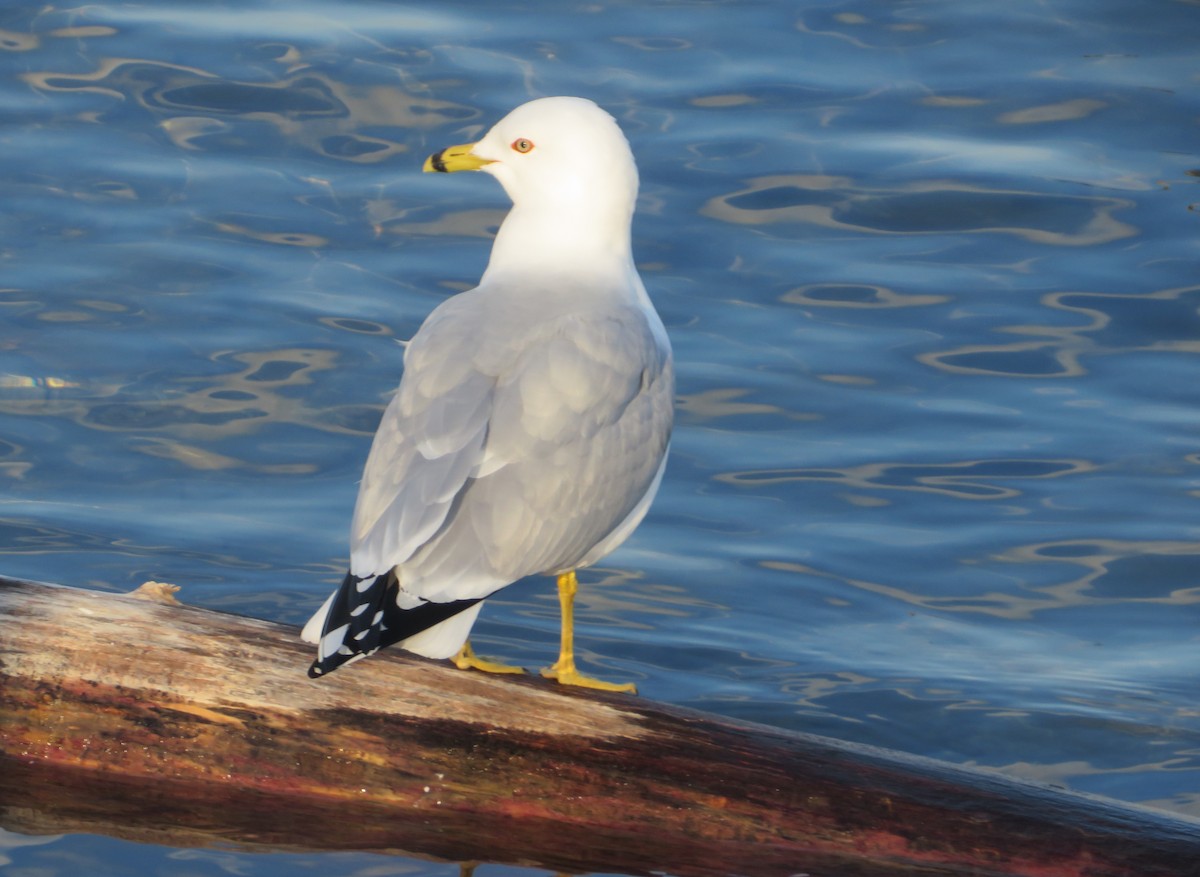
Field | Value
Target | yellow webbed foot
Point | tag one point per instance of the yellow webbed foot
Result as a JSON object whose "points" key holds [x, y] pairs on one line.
{"points": [[564, 668], [566, 674], [466, 659]]}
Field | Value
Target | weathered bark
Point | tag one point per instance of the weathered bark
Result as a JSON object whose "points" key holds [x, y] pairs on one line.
{"points": [[161, 722]]}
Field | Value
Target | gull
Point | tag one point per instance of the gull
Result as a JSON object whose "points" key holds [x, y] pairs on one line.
{"points": [[531, 427]]}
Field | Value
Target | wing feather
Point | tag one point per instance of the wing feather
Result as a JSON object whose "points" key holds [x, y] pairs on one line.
{"points": [[517, 455], [575, 438], [429, 440]]}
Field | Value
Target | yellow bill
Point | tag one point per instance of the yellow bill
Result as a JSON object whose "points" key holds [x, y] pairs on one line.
{"points": [[455, 158]]}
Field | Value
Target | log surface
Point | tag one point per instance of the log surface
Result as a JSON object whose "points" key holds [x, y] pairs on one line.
{"points": [[156, 721]]}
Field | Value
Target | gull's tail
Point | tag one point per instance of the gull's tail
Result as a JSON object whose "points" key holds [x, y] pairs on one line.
{"points": [[361, 617]]}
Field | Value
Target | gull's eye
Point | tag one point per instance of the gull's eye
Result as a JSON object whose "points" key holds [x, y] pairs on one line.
{"points": [[522, 145]]}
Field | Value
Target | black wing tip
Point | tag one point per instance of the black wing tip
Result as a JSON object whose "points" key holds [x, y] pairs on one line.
{"points": [[339, 614], [387, 622], [320, 668]]}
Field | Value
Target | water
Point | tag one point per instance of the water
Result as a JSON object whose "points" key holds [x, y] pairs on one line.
{"points": [[929, 269]]}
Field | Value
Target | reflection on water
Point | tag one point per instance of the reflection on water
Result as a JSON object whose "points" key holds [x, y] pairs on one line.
{"points": [[927, 207], [1112, 573], [268, 387], [969, 480], [310, 110], [1108, 323], [928, 269], [852, 295]]}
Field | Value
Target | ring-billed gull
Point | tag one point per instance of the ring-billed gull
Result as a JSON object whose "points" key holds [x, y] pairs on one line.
{"points": [[530, 430]]}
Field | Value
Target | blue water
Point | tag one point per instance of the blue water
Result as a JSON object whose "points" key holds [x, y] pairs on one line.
{"points": [[929, 269]]}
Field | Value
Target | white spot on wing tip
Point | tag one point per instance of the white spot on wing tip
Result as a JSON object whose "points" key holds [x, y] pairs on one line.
{"points": [[332, 642]]}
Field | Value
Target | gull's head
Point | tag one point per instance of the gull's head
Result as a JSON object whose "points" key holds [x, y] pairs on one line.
{"points": [[562, 154]]}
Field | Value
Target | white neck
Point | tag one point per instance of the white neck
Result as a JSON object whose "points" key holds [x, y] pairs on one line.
{"points": [[565, 240]]}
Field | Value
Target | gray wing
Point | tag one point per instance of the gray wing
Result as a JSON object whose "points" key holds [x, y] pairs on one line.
{"points": [[507, 453], [426, 446]]}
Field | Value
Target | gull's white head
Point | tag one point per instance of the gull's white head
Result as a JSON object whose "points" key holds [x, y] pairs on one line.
{"points": [[567, 168]]}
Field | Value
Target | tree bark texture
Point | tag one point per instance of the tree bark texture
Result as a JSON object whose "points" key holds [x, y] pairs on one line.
{"points": [[138, 717]]}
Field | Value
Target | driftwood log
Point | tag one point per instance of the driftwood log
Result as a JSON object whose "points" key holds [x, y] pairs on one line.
{"points": [[154, 721]]}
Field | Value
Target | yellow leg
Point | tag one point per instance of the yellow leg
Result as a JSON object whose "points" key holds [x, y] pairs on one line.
{"points": [[466, 659], [564, 668]]}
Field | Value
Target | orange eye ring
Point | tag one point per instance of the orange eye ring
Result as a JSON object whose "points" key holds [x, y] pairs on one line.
{"points": [[522, 145]]}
